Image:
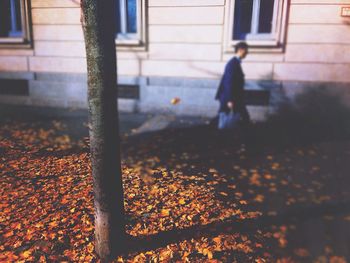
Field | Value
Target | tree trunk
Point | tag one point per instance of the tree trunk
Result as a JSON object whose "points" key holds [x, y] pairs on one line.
{"points": [[98, 19]]}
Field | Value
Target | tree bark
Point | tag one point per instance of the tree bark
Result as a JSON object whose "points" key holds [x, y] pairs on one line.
{"points": [[98, 20]]}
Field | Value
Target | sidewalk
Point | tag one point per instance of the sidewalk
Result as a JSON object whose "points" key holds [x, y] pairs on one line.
{"points": [[276, 192], [130, 123]]}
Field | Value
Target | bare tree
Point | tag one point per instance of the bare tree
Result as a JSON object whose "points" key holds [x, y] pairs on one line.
{"points": [[98, 20]]}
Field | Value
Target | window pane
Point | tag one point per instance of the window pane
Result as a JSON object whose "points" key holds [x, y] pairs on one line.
{"points": [[132, 19], [18, 15], [118, 18], [10, 18], [242, 18], [266, 15], [5, 18]]}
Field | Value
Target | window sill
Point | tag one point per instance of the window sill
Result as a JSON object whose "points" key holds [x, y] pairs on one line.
{"points": [[127, 42], [258, 46], [130, 45], [14, 43]]}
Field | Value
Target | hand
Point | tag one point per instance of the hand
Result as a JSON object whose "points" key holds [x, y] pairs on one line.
{"points": [[230, 105]]}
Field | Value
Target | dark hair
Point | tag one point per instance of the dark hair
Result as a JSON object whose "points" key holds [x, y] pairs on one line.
{"points": [[241, 45]]}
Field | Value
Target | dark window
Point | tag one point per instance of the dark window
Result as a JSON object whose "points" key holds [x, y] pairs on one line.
{"points": [[132, 24], [243, 18], [266, 15], [252, 17], [10, 19], [126, 17]]}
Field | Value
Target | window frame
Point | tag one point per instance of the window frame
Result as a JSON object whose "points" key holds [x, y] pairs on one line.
{"points": [[26, 40], [137, 39], [273, 41]]}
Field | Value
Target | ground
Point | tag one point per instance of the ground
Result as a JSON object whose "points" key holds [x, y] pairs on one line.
{"points": [[271, 192]]}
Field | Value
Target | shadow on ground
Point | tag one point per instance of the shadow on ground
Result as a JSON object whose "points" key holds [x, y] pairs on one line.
{"points": [[293, 169], [313, 116], [272, 192]]}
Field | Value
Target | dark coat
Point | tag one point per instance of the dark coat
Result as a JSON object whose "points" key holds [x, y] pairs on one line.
{"points": [[231, 86]]}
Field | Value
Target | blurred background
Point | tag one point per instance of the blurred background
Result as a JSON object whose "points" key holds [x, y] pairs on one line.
{"points": [[275, 192]]}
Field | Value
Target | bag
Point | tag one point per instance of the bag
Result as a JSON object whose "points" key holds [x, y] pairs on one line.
{"points": [[228, 120]]}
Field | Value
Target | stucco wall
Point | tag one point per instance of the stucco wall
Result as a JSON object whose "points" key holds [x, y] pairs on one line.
{"points": [[185, 39]]}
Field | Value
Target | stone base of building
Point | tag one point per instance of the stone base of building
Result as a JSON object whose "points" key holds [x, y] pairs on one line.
{"points": [[154, 94]]}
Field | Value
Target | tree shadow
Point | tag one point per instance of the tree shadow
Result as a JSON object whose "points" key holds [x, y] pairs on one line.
{"points": [[316, 115], [233, 225]]}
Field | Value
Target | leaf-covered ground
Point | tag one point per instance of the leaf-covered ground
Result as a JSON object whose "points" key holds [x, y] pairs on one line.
{"points": [[191, 194]]}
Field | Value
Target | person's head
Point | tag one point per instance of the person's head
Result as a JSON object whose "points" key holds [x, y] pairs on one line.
{"points": [[241, 49]]}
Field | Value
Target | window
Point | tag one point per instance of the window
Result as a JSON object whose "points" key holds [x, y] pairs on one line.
{"points": [[130, 21], [259, 22], [14, 22]]}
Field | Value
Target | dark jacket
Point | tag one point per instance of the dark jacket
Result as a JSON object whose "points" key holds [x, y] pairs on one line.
{"points": [[231, 86]]}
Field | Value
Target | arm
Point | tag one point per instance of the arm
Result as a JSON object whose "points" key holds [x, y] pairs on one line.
{"points": [[232, 84], [237, 85], [228, 81]]}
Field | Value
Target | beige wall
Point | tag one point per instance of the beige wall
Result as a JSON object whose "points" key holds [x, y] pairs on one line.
{"points": [[318, 42], [185, 39]]}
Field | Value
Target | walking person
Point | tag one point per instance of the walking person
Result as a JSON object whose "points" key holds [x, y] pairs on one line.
{"points": [[231, 91]]}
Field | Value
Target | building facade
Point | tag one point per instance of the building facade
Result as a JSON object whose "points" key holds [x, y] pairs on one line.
{"points": [[176, 48]]}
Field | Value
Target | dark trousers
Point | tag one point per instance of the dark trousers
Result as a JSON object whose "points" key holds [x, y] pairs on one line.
{"points": [[244, 114]]}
